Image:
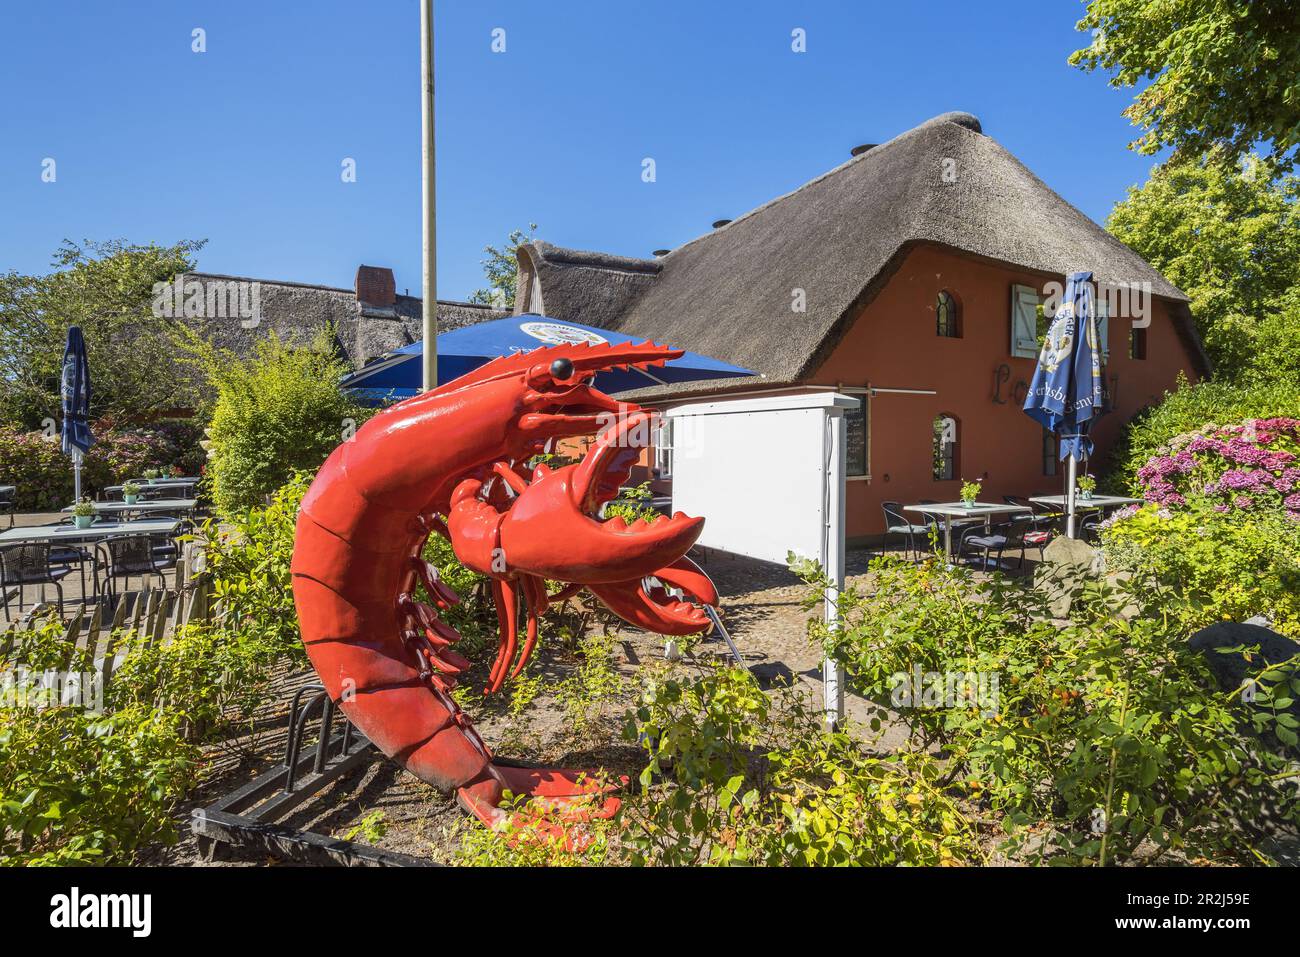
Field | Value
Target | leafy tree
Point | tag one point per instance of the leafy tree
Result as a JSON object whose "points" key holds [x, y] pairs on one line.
{"points": [[1223, 73], [1230, 239], [107, 289], [501, 270]]}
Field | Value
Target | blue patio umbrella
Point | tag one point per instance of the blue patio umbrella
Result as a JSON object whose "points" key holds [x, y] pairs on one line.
{"points": [[1065, 394], [397, 375], [75, 390]]}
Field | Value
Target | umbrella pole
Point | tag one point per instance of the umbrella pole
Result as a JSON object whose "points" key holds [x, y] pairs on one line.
{"points": [[1071, 474]]}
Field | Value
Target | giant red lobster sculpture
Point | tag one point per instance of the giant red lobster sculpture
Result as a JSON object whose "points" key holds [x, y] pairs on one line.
{"points": [[452, 461]]}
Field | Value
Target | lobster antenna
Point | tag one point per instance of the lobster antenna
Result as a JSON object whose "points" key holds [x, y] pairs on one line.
{"points": [[584, 356]]}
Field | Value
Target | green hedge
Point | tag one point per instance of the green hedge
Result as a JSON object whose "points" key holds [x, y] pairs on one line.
{"points": [[86, 787], [43, 475], [277, 413]]}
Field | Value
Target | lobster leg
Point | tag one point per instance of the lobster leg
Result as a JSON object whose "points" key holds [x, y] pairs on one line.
{"points": [[507, 600], [535, 598]]}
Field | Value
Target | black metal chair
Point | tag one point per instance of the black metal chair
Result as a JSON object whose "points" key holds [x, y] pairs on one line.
{"points": [[29, 563], [934, 522], [165, 546], [128, 556], [1088, 530], [896, 523], [71, 553], [999, 538], [1040, 531]]}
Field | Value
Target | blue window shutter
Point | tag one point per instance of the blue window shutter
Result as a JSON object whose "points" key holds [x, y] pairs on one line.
{"points": [[1024, 321]]}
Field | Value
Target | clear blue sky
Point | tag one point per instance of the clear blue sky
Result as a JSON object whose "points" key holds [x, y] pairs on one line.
{"points": [[243, 144]]}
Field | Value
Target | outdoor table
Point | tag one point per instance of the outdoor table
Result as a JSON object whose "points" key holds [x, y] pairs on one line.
{"points": [[1097, 501], [150, 505], [145, 483], [960, 510], [8, 489], [95, 534]]}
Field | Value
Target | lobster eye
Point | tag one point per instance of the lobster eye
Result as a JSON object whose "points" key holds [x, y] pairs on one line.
{"points": [[561, 369]]}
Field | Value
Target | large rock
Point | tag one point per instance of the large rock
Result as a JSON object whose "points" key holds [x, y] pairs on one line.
{"points": [[1230, 670], [1066, 564]]}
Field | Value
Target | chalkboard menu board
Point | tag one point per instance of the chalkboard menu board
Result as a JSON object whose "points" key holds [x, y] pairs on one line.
{"points": [[855, 451]]}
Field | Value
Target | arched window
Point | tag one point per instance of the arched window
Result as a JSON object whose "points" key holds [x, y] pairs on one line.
{"points": [[945, 440], [947, 316]]}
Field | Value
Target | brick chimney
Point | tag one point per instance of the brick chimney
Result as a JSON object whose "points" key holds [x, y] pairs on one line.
{"points": [[376, 286]]}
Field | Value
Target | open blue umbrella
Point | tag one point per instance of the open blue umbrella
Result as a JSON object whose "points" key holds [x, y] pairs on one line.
{"points": [[75, 391], [1065, 394], [397, 375]]}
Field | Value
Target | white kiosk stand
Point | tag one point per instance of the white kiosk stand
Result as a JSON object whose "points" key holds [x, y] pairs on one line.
{"points": [[767, 474]]}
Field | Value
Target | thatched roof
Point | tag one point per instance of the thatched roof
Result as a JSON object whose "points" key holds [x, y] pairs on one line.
{"points": [[728, 293], [296, 311]]}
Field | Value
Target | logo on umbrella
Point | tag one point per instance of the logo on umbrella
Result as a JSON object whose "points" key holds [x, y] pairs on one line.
{"points": [[558, 334], [1060, 340]]}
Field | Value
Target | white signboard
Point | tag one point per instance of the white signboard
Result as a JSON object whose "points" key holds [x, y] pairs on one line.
{"points": [[767, 474]]}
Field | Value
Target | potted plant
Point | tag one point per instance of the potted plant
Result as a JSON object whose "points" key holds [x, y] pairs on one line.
{"points": [[130, 492], [1086, 485], [152, 475], [83, 513], [969, 492]]}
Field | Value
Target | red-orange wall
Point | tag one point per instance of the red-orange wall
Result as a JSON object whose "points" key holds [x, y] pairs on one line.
{"points": [[893, 344]]}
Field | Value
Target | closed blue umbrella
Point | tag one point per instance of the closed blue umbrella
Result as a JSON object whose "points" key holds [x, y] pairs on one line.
{"points": [[398, 374], [1065, 394], [75, 391]]}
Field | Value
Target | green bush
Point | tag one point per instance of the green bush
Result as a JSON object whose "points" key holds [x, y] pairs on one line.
{"points": [[737, 778], [1216, 566], [78, 787], [276, 413], [248, 560], [84, 787], [1190, 407], [734, 777], [1103, 739]]}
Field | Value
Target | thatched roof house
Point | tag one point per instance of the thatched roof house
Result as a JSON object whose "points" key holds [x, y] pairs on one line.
{"points": [[913, 276], [838, 238]]}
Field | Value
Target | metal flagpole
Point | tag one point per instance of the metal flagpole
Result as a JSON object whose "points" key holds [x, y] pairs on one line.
{"points": [[430, 360], [833, 560]]}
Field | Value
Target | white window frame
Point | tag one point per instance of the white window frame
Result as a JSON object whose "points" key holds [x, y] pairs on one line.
{"points": [[663, 449]]}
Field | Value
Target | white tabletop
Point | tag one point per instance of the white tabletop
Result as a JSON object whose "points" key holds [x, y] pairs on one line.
{"points": [[962, 510], [70, 532], [1097, 501], [148, 505]]}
